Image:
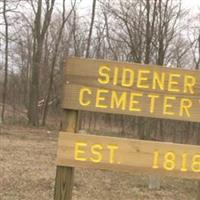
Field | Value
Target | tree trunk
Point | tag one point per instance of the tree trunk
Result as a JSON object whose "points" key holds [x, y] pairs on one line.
{"points": [[64, 20], [36, 59], [91, 28], [87, 55], [39, 33], [5, 84], [148, 36], [33, 114]]}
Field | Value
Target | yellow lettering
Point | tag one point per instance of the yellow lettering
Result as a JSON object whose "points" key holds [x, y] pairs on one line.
{"points": [[127, 77], [100, 98], [173, 83], [196, 163], [115, 76], [184, 162], [142, 76], [152, 102], [158, 81], [83, 101], [185, 106], [104, 73], [112, 153], [96, 150], [118, 101], [134, 102], [169, 161], [79, 151], [189, 83], [167, 105], [156, 158]]}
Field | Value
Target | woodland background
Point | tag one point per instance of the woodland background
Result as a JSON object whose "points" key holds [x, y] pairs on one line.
{"points": [[37, 36]]}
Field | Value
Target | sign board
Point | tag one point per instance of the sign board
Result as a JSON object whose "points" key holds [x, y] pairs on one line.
{"points": [[132, 89], [128, 155]]}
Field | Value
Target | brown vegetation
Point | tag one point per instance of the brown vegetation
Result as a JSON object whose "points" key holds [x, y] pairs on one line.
{"points": [[27, 167]]}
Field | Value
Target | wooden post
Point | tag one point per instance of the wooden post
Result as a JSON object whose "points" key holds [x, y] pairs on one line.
{"points": [[198, 183], [198, 191], [65, 175]]}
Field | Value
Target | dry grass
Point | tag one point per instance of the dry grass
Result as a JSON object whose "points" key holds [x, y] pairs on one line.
{"points": [[27, 172]]}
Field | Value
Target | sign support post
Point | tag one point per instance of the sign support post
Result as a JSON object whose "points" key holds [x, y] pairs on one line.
{"points": [[65, 175]]}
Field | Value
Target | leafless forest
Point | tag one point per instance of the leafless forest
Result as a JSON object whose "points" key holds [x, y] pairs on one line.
{"points": [[37, 36]]}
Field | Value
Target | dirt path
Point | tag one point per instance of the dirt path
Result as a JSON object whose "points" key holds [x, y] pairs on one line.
{"points": [[27, 172]]}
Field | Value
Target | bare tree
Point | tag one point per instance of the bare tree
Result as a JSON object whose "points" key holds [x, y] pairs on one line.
{"points": [[5, 85], [91, 28], [54, 59], [167, 26], [150, 26], [39, 32], [195, 45]]}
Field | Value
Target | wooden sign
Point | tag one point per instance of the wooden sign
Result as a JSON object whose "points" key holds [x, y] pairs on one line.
{"points": [[128, 155], [132, 89]]}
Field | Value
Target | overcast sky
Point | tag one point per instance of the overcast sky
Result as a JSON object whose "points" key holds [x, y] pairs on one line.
{"points": [[85, 7], [190, 4], [194, 4]]}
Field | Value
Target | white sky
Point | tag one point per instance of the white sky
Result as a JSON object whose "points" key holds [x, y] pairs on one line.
{"points": [[193, 6], [190, 4]]}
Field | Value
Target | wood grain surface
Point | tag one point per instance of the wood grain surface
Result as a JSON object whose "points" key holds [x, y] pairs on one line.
{"points": [[128, 155], [132, 89]]}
